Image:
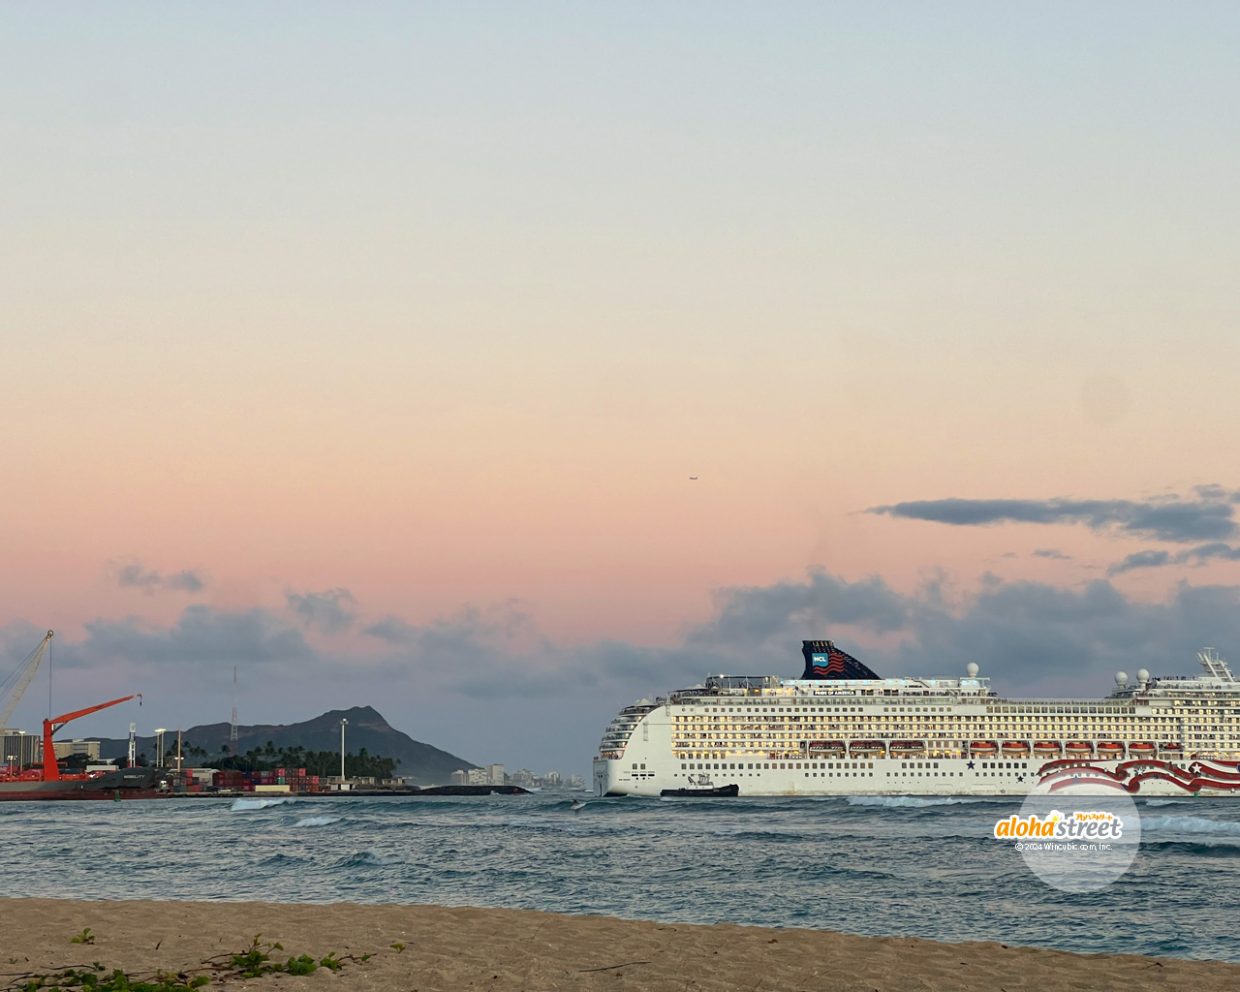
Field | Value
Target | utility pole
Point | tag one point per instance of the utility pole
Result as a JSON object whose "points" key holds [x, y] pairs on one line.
{"points": [[232, 726], [343, 723]]}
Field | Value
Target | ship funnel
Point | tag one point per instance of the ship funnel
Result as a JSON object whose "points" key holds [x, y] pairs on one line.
{"points": [[823, 660]]}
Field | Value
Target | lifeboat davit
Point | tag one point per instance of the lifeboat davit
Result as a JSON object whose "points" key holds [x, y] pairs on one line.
{"points": [[868, 748], [1046, 747], [1016, 747], [1079, 749], [984, 747]]}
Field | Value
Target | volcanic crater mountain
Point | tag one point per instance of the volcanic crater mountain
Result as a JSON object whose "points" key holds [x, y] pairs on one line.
{"points": [[423, 763]]}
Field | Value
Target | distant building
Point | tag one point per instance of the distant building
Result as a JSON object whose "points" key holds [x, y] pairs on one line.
{"points": [[523, 777], [459, 777], [20, 748], [495, 775], [65, 749], [477, 776]]}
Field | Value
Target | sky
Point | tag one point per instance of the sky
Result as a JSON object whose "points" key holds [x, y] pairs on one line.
{"points": [[496, 365]]}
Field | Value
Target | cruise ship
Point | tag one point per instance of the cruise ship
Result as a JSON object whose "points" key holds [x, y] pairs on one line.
{"points": [[840, 729]]}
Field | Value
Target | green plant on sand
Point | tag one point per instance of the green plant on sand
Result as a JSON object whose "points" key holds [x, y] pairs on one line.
{"points": [[253, 961]]}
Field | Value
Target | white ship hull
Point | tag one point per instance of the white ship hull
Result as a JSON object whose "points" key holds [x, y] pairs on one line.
{"points": [[941, 777]]}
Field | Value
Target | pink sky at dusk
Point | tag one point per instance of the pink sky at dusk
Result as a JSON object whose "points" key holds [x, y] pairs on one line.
{"points": [[446, 314]]}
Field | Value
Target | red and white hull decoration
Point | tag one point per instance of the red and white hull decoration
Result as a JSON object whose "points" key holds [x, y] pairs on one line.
{"points": [[1147, 776]]}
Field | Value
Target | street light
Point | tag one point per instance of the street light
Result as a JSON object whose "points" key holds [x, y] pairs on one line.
{"points": [[343, 723]]}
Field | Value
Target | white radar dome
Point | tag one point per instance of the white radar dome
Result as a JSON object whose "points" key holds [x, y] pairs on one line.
{"points": [[1143, 674], [1121, 678], [971, 669]]}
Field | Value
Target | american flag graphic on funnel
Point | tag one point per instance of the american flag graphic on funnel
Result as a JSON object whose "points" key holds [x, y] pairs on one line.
{"points": [[823, 660]]}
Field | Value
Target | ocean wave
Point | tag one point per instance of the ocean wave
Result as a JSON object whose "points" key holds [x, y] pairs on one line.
{"points": [[249, 805], [280, 859], [766, 836], [361, 859], [1216, 847], [316, 821], [914, 802], [1190, 825]]}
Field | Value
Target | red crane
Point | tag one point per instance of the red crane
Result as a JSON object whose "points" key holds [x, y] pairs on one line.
{"points": [[51, 770]]}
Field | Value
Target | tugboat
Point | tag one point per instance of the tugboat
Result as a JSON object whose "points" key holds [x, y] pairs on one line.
{"points": [[701, 787]]}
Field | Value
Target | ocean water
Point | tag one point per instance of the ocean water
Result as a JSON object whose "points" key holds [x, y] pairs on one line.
{"points": [[886, 866]]}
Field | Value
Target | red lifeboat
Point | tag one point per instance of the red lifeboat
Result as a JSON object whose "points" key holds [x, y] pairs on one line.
{"points": [[1046, 747], [1138, 748], [984, 747], [1078, 749], [869, 748], [1110, 749], [1015, 747], [907, 747]]}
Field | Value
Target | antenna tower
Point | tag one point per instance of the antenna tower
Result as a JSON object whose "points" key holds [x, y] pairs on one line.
{"points": [[232, 725]]}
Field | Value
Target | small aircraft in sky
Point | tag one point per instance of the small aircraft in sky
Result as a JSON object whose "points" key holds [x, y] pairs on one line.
{"points": [[693, 478]]}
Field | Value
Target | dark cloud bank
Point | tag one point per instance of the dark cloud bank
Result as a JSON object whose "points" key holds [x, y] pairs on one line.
{"points": [[485, 684], [1171, 519], [1208, 518]]}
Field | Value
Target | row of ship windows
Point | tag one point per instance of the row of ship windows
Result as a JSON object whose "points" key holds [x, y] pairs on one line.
{"points": [[909, 766], [1191, 707], [741, 766], [745, 720]]}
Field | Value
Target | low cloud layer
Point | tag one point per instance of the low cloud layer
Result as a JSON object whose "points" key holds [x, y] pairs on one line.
{"points": [[202, 637], [485, 684], [1173, 519], [135, 575]]}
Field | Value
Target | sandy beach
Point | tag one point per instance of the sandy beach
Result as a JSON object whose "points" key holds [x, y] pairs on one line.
{"points": [[452, 949]]}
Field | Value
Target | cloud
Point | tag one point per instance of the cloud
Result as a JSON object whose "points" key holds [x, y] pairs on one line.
{"points": [[394, 630], [755, 614], [134, 575], [1214, 551], [200, 636], [331, 611], [1171, 519], [1141, 559], [1212, 490], [1053, 553], [466, 644]]}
